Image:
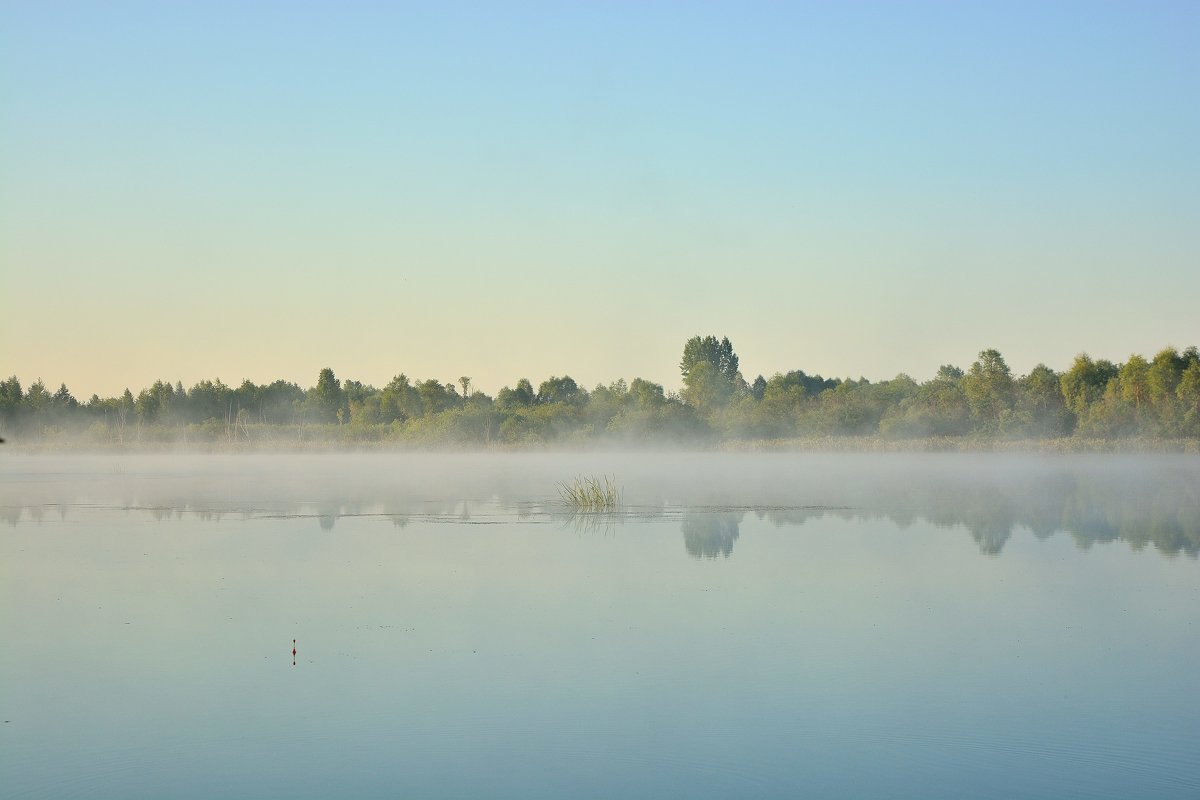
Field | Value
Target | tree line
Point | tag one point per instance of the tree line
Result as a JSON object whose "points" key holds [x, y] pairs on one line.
{"points": [[1095, 399]]}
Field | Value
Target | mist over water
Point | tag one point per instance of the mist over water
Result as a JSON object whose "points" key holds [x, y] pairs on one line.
{"points": [[1138, 499], [757, 625]]}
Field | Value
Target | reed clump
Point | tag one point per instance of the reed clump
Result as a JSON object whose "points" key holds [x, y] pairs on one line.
{"points": [[591, 494]]}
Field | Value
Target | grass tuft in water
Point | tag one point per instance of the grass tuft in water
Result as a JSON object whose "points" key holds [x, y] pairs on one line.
{"points": [[591, 494]]}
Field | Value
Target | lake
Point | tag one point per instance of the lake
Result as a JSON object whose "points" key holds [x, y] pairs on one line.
{"points": [[745, 625]]}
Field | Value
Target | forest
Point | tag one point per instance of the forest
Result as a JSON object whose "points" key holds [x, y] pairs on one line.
{"points": [[1152, 399]]}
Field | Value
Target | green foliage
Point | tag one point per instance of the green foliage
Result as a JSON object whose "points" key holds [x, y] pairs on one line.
{"points": [[326, 399], [11, 403], [937, 408], [989, 390], [1084, 383], [561, 390], [37, 398], [857, 408], [1162, 378], [399, 401], [1134, 377], [1041, 411], [437, 397], [710, 373], [706, 388], [11, 394], [521, 397], [1188, 393], [949, 372], [707, 350], [1157, 398], [210, 400], [646, 394]]}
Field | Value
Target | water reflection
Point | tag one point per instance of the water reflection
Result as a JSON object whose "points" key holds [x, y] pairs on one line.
{"points": [[590, 523], [708, 534], [1141, 501]]}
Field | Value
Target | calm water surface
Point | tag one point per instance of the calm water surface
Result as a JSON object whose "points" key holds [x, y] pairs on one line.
{"points": [[745, 626]]}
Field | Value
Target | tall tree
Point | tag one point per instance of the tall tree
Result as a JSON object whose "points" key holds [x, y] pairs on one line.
{"points": [[560, 390], [1188, 392], [1040, 403], [647, 393], [1134, 376], [949, 372], [520, 397], [708, 350], [1162, 379], [11, 396], [710, 372], [327, 396], [1084, 383], [989, 389], [706, 388], [36, 396], [399, 401], [436, 397]]}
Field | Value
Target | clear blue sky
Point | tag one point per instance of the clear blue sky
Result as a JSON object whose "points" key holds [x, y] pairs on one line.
{"points": [[505, 190]]}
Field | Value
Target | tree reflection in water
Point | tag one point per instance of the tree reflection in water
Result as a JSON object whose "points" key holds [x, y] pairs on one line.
{"points": [[1140, 500], [708, 534]]}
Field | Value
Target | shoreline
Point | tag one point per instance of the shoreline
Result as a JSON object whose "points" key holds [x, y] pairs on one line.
{"points": [[798, 445]]}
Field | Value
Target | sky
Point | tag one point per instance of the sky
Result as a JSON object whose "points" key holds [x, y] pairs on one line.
{"points": [[505, 190]]}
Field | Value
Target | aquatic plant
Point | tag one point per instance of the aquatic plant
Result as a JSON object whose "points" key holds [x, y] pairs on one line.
{"points": [[590, 494]]}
